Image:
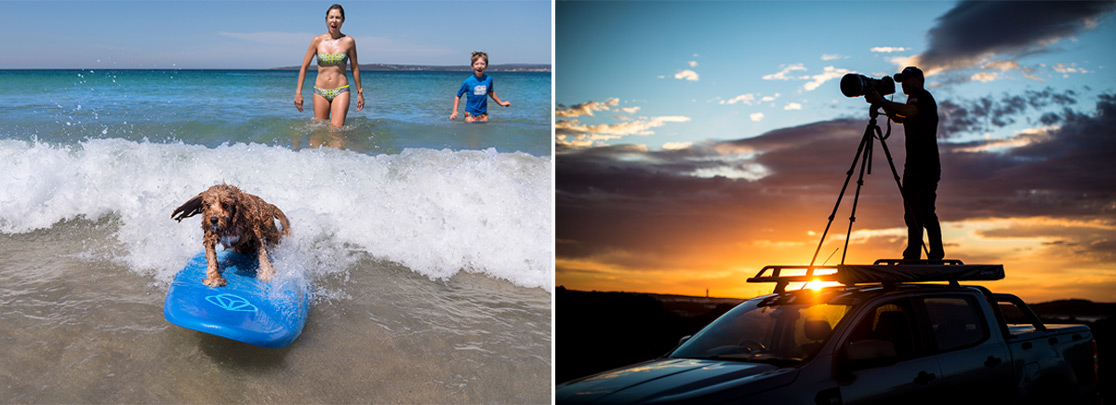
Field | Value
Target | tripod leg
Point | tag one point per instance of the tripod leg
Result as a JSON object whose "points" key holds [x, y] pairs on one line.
{"points": [[856, 196], [864, 141]]}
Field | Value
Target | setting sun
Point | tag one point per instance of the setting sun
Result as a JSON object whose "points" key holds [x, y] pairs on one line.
{"points": [[819, 284]]}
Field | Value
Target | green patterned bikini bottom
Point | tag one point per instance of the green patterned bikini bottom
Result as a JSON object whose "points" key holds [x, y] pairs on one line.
{"points": [[330, 94]]}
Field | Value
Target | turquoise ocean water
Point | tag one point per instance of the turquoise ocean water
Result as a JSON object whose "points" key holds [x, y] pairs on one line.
{"points": [[428, 242], [209, 108]]}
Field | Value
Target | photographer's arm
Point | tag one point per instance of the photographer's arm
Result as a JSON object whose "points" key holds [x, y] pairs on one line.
{"points": [[896, 111]]}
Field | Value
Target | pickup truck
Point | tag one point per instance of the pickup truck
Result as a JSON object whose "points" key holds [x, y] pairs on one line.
{"points": [[880, 336]]}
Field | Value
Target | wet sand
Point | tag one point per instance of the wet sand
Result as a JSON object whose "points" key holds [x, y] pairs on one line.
{"points": [[75, 329]]}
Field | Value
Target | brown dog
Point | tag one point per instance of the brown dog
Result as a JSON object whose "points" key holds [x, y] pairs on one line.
{"points": [[240, 221]]}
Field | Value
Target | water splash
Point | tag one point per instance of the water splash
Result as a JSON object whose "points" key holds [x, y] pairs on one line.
{"points": [[437, 212]]}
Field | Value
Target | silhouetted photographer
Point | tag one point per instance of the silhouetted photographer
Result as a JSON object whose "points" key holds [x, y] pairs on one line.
{"points": [[923, 169]]}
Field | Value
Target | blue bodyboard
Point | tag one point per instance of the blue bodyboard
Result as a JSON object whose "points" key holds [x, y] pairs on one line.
{"points": [[268, 314]]}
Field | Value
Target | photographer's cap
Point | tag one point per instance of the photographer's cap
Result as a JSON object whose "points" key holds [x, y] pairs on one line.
{"points": [[908, 72]]}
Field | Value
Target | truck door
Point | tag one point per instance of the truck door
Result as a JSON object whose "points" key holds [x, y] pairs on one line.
{"points": [[902, 370], [975, 364]]}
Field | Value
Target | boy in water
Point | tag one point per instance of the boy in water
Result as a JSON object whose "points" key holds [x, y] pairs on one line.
{"points": [[479, 88]]}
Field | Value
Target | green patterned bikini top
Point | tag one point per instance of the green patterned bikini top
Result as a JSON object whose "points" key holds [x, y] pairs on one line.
{"points": [[329, 59]]}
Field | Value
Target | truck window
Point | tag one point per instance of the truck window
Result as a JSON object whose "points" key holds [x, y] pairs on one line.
{"points": [[1012, 313], [785, 330], [890, 322], [955, 321]]}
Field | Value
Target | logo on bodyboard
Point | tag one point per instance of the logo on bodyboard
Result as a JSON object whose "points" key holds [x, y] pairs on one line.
{"points": [[231, 302]]}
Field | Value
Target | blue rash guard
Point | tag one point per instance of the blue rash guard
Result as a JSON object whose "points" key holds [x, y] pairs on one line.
{"points": [[476, 102]]}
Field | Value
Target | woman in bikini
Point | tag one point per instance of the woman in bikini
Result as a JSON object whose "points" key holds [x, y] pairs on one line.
{"points": [[331, 88]]}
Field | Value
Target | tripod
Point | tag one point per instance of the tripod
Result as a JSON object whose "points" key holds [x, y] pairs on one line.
{"points": [[864, 158]]}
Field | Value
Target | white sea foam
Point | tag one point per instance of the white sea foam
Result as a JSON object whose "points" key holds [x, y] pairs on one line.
{"points": [[436, 212]]}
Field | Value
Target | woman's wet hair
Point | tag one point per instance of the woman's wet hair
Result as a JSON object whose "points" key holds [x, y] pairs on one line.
{"points": [[339, 8]]}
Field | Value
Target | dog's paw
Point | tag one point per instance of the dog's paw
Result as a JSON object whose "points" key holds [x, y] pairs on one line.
{"points": [[265, 274], [214, 281]]}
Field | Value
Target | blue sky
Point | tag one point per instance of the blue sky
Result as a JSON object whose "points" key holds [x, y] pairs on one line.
{"points": [[728, 70], [697, 142], [259, 34]]}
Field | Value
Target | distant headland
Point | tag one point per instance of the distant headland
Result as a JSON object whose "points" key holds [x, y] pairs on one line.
{"points": [[384, 67]]}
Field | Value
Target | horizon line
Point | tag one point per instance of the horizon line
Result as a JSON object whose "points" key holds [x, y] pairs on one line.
{"points": [[745, 299], [504, 67]]}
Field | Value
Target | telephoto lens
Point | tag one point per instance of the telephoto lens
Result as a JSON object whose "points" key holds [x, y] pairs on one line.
{"points": [[854, 85]]}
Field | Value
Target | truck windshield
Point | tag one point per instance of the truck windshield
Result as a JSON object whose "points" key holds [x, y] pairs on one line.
{"points": [[782, 329]]}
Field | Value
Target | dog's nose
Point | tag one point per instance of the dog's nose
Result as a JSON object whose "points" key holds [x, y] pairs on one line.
{"points": [[213, 220]]}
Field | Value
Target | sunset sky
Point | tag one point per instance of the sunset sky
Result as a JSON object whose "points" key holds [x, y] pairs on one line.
{"points": [[699, 141]]}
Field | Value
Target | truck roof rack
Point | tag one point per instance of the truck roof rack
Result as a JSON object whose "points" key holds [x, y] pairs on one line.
{"points": [[886, 271]]}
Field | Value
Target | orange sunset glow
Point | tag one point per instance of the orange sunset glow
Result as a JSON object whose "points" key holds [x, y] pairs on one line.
{"points": [[627, 223], [1038, 268]]}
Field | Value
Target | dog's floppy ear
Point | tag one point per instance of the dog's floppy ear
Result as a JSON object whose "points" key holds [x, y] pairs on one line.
{"points": [[189, 209]]}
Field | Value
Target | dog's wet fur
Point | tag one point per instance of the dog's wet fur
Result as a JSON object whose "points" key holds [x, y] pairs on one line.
{"points": [[239, 221]]}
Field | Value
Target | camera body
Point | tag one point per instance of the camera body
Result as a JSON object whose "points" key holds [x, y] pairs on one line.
{"points": [[855, 85]]}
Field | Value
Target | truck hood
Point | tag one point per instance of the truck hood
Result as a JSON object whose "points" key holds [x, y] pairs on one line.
{"points": [[671, 380]]}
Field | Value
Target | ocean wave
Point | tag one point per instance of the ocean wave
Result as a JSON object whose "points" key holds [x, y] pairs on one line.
{"points": [[437, 212]]}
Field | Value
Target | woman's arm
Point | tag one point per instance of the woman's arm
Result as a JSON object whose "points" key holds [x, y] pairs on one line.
{"points": [[302, 72], [356, 75]]}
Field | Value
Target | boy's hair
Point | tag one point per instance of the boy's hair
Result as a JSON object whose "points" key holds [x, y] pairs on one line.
{"points": [[478, 55], [339, 8]]}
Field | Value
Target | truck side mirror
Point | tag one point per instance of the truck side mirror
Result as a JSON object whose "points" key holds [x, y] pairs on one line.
{"points": [[684, 339]]}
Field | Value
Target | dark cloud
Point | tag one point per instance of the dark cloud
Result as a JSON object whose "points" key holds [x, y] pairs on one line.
{"points": [[1065, 173], [1079, 241], [1049, 119], [988, 113], [974, 29]]}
